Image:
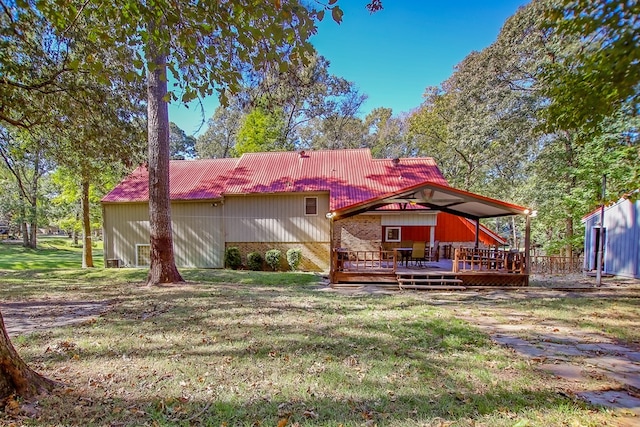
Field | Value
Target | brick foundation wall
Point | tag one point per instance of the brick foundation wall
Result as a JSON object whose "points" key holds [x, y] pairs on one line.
{"points": [[315, 255], [358, 233]]}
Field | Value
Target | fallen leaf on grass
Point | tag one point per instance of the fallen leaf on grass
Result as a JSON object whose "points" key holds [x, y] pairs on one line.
{"points": [[310, 414], [283, 422], [11, 406]]}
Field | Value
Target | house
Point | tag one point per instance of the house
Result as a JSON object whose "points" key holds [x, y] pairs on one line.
{"points": [[621, 255], [315, 201]]}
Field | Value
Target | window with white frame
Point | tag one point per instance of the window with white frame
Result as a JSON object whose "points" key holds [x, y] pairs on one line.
{"points": [[311, 206], [392, 234], [143, 255]]}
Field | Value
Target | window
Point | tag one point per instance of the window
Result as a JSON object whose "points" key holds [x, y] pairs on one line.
{"points": [[311, 206], [143, 255], [392, 234]]}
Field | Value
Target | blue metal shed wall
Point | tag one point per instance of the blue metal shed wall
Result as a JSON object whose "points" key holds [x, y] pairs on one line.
{"points": [[622, 243]]}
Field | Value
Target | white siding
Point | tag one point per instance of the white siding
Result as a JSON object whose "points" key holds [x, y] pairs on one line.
{"points": [[125, 225], [275, 218], [409, 219], [198, 233]]}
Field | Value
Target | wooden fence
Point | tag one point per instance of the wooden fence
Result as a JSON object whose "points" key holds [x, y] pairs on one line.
{"points": [[556, 264]]}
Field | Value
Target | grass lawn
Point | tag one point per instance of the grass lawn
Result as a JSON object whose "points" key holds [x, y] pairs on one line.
{"points": [[271, 349], [52, 252]]}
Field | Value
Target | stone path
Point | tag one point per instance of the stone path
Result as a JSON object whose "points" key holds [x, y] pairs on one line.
{"points": [[596, 369]]}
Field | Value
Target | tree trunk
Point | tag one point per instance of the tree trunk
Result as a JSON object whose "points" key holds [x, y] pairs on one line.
{"points": [[25, 234], [24, 228], [163, 267], [33, 201], [87, 254], [15, 376], [33, 240], [569, 236]]}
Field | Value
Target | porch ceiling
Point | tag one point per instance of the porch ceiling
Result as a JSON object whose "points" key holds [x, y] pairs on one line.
{"points": [[441, 198]]}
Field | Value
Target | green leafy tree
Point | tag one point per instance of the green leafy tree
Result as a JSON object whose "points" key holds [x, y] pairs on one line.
{"points": [[23, 155], [219, 140], [182, 146], [388, 135], [303, 92], [592, 83], [66, 200], [333, 133], [261, 131]]}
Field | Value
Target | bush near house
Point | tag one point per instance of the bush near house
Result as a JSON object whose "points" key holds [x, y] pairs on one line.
{"points": [[294, 257], [272, 257], [254, 261], [232, 258]]}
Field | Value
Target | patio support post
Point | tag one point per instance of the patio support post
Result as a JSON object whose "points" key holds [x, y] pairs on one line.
{"points": [[477, 243], [332, 254]]}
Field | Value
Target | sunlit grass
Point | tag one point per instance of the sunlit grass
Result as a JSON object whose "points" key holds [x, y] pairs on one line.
{"points": [[274, 349], [52, 253]]}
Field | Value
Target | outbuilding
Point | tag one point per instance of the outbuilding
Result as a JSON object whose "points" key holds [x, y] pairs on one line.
{"points": [[621, 249]]}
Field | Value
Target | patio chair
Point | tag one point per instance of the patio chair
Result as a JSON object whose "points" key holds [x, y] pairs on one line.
{"points": [[418, 252], [434, 252]]}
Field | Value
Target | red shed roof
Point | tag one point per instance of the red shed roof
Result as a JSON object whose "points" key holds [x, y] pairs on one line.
{"points": [[350, 176]]}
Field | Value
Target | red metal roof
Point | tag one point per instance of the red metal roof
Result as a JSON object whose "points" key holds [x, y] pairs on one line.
{"points": [[188, 180], [350, 176]]}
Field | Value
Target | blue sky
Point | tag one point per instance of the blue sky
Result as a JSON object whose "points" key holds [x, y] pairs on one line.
{"points": [[394, 54]]}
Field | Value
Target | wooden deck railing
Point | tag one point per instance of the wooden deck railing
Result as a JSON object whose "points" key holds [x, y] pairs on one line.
{"points": [[475, 259], [556, 264], [364, 261]]}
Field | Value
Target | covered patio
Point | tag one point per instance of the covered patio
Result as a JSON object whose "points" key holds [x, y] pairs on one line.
{"points": [[469, 266]]}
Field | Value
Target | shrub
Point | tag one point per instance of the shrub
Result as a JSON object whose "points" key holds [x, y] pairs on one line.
{"points": [[272, 258], [254, 261], [232, 258], [294, 256]]}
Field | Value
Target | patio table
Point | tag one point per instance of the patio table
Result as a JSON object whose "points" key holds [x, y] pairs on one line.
{"points": [[405, 255]]}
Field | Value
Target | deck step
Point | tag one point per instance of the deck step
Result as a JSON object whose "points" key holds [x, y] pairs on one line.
{"points": [[429, 281], [433, 280], [433, 287]]}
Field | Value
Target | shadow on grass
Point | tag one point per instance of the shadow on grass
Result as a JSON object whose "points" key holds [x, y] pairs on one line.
{"points": [[380, 410], [219, 354]]}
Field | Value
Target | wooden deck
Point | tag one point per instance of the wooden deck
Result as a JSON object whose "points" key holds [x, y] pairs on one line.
{"points": [[372, 267]]}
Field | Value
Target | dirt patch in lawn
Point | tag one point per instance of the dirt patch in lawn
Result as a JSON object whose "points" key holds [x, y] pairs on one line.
{"points": [[23, 317]]}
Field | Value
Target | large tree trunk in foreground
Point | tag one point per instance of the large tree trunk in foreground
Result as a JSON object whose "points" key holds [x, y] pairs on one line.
{"points": [[163, 266], [87, 252], [15, 376]]}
